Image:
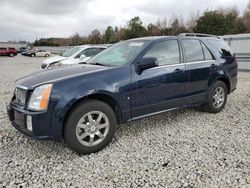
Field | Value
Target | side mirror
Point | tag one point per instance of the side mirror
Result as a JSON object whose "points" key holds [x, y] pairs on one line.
{"points": [[146, 63], [82, 56]]}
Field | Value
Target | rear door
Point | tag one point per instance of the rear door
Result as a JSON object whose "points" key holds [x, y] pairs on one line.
{"points": [[162, 87], [199, 63]]}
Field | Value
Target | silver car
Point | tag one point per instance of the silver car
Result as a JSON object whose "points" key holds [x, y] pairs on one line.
{"points": [[76, 55]]}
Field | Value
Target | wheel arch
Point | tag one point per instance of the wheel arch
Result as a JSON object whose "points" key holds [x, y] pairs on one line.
{"points": [[227, 83], [109, 100], [225, 80]]}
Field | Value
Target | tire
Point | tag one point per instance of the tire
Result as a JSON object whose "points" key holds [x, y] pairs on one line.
{"points": [[11, 55], [32, 55], [46, 55], [216, 102], [79, 138]]}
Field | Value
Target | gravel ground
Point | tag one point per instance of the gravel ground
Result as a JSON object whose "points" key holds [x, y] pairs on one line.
{"points": [[184, 148]]}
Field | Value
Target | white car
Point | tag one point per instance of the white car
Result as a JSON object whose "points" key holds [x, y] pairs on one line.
{"points": [[76, 55], [42, 53]]}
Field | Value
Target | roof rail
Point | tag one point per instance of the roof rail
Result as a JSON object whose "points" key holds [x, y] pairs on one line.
{"points": [[197, 35]]}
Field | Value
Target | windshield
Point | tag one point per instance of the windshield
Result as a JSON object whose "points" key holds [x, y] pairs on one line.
{"points": [[119, 54], [71, 52]]}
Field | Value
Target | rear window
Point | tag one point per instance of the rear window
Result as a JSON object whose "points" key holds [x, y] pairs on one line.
{"points": [[221, 46]]}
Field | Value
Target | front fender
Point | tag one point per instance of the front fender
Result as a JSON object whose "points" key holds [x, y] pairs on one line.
{"points": [[69, 96]]}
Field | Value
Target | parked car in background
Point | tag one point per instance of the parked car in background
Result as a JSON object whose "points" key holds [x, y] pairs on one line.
{"points": [[36, 53], [28, 52], [79, 54], [22, 49], [8, 51], [83, 104], [41, 53]]}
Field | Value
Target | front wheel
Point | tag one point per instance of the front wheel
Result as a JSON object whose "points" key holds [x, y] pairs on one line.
{"points": [[90, 127], [217, 98], [11, 55]]}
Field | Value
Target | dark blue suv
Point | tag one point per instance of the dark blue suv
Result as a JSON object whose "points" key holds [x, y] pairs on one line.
{"points": [[83, 104]]}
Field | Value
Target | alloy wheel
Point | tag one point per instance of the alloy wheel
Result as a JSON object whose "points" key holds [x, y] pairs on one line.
{"points": [[92, 128], [218, 97]]}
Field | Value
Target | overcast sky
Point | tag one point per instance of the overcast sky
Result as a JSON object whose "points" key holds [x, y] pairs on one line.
{"points": [[31, 19]]}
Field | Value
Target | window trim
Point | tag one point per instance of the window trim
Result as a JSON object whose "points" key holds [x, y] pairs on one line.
{"points": [[185, 63]]}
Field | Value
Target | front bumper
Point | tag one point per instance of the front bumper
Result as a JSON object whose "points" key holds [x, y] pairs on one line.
{"points": [[41, 128]]}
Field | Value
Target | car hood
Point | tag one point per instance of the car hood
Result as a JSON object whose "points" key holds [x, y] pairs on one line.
{"points": [[57, 74], [53, 59]]}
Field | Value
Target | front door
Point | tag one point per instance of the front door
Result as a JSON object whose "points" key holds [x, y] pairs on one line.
{"points": [[160, 88]]}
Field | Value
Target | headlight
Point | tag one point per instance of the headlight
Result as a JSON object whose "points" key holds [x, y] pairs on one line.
{"points": [[55, 64], [39, 99]]}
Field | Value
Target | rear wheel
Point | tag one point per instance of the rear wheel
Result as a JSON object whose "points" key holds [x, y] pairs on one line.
{"points": [[90, 127], [46, 55], [217, 98], [33, 55]]}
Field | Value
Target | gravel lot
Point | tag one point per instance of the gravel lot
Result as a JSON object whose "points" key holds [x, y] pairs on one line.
{"points": [[185, 148]]}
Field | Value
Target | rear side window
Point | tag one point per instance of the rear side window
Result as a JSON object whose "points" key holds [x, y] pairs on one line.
{"points": [[193, 50], [3, 48], [221, 46], [167, 52], [207, 53]]}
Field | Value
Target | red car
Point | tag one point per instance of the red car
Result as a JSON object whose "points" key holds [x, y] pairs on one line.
{"points": [[8, 51]]}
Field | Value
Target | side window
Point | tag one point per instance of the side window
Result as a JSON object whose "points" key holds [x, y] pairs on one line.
{"points": [[193, 50], [3, 48], [167, 52], [98, 50], [86, 52], [90, 52], [207, 53]]}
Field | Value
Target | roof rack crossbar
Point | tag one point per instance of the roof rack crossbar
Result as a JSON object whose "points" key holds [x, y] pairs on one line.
{"points": [[196, 35]]}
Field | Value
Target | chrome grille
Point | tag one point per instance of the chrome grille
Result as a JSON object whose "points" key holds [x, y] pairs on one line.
{"points": [[20, 96]]}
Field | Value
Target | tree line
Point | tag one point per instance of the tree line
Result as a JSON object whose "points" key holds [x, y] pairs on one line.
{"points": [[216, 22]]}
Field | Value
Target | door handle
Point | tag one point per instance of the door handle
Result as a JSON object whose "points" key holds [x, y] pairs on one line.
{"points": [[178, 71]]}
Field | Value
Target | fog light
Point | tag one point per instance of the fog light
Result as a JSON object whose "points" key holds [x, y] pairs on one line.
{"points": [[29, 123]]}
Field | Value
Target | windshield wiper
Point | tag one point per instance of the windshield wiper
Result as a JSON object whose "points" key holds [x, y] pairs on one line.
{"points": [[97, 64]]}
